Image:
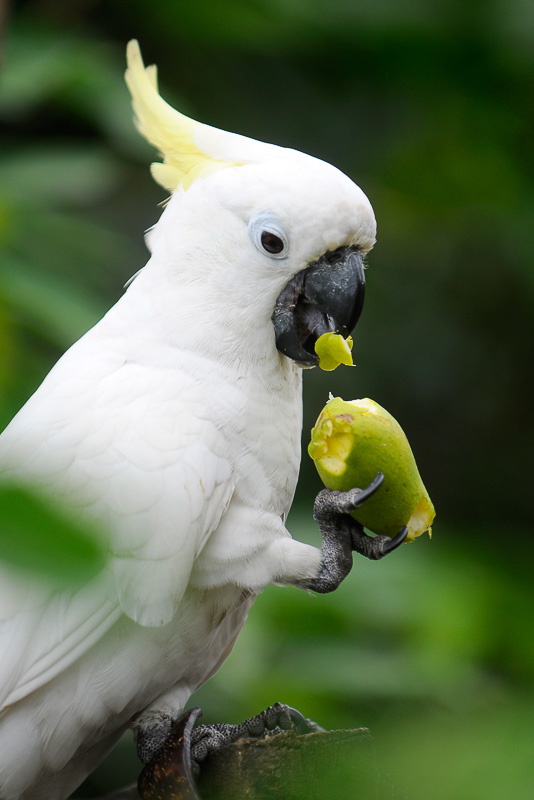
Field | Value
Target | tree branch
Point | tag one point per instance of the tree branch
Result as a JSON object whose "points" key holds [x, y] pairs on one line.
{"points": [[313, 766]]}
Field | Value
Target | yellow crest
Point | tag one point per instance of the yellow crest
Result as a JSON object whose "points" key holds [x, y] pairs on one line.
{"points": [[174, 134]]}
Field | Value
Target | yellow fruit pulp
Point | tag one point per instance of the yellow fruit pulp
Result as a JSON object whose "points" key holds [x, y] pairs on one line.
{"points": [[334, 350]]}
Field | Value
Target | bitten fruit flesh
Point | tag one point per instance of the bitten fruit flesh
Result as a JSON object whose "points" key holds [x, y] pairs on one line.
{"points": [[334, 350]]}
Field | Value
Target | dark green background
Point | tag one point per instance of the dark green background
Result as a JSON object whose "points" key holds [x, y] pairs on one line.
{"points": [[428, 105]]}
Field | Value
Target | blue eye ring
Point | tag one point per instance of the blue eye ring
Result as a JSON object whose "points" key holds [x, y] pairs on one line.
{"points": [[268, 236]]}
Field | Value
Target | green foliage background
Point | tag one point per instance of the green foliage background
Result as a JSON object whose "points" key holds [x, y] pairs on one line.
{"points": [[427, 104]]}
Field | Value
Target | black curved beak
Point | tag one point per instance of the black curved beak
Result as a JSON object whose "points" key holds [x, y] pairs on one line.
{"points": [[325, 297]]}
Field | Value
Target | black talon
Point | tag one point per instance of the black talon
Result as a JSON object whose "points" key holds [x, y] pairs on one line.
{"points": [[369, 490], [396, 541]]}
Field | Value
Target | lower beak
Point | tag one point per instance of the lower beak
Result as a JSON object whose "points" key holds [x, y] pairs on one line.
{"points": [[325, 297]]}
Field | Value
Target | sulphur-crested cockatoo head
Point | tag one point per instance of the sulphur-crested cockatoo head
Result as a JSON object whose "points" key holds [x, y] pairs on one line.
{"points": [[280, 234]]}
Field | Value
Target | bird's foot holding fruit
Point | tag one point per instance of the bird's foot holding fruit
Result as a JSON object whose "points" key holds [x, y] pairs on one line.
{"points": [[174, 767], [342, 535]]}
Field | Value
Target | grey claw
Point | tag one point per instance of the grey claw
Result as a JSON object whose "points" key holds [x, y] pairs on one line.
{"points": [[376, 547], [331, 502], [301, 723]]}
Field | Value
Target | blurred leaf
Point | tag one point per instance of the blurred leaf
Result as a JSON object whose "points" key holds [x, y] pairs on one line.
{"points": [[72, 248], [36, 537], [35, 67], [57, 174], [6, 344], [43, 66], [60, 312]]}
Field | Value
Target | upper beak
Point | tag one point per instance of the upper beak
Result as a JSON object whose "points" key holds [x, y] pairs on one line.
{"points": [[325, 297]]}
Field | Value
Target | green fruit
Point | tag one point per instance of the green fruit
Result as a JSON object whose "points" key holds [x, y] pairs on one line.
{"points": [[350, 443]]}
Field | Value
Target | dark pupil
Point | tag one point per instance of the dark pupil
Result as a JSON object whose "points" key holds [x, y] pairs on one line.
{"points": [[271, 242]]}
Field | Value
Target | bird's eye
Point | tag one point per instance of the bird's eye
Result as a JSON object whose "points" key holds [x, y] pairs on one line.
{"points": [[268, 235], [271, 242]]}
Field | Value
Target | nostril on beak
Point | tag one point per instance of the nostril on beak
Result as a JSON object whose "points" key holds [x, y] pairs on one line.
{"points": [[334, 256]]}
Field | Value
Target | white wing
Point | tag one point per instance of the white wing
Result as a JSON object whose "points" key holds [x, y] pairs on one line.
{"points": [[130, 444]]}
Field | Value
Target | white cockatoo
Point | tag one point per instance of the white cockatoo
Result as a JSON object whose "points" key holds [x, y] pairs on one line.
{"points": [[174, 424]]}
